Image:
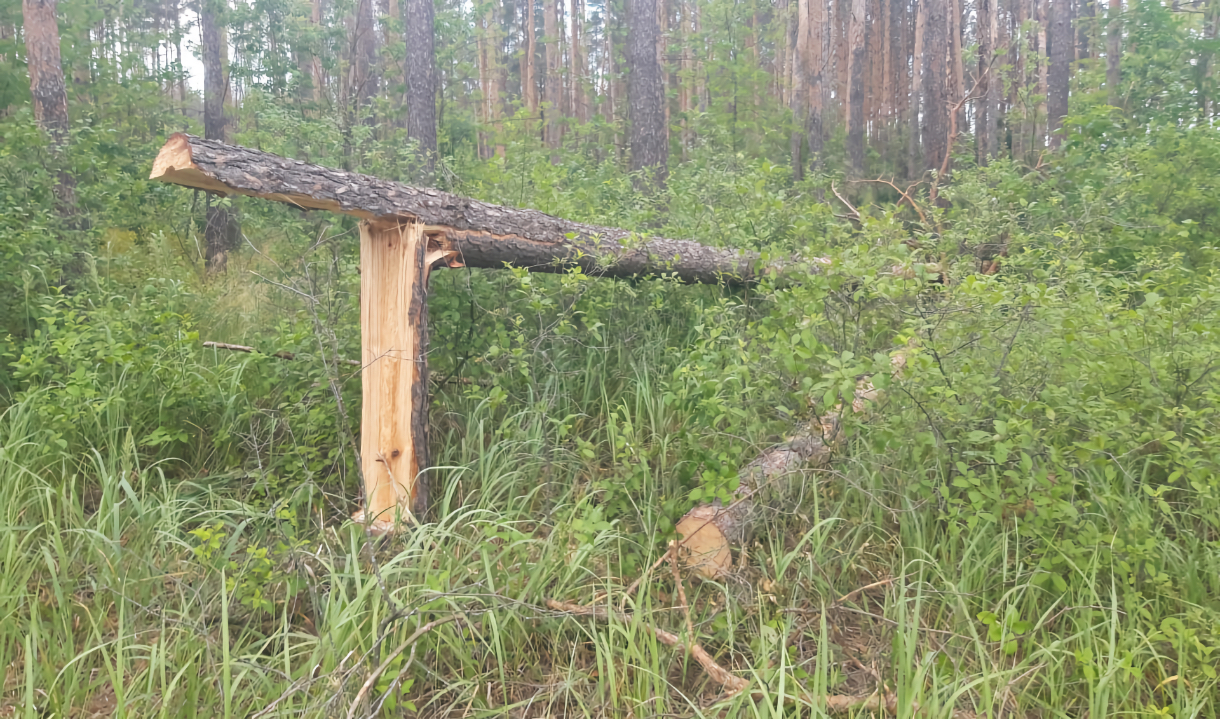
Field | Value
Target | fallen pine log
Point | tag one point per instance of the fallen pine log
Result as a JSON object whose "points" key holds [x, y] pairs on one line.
{"points": [[708, 532], [478, 234]]}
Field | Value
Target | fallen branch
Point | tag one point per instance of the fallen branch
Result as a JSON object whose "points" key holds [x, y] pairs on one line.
{"points": [[280, 355], [834, 703]]}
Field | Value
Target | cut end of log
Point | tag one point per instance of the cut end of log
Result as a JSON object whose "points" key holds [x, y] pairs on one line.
{"points": [[175, 164], [703, 545]]}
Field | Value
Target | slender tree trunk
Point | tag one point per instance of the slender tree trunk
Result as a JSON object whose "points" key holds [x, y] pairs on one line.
{"points": [[818, 74], [554, 82], [1085, 28], [1043, 58], [855, 89], [957, 81], [915, 167], [984, 109], [317, 73], [1114, 53], [220, 229], [421, 85], [529, 87], [798, 42], [1061, 41], [41, 29], [936, 84], [649, 144]]}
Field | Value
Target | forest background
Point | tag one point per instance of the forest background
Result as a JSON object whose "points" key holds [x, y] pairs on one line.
{"points": [[1025, 522]]}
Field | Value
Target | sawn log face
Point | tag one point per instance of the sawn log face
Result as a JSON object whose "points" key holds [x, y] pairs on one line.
{"points": [[484, 235]]}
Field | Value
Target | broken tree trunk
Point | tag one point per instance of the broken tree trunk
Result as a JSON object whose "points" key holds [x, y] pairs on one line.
{"points": [[480, 234], [394, 343], [708, 532]]}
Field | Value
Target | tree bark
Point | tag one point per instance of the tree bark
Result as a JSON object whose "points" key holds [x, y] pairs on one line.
{"points": [[646, 99], [461, 230], [985, 112], [915, 168], [553, 89], [421, 85], [47, 88], [1114, 53], [936, 85], [529, 88], [855, 88], [220, 229], [1061, 48]]}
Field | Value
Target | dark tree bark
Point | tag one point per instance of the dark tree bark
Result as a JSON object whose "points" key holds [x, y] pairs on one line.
{"points": [[855, 88], [1061, 54], [466, 231], [47, 87], [421, 84], [220, 229], [646, 98], [936, 84]]}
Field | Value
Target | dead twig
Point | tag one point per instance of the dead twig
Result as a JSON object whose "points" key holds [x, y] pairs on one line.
{"points": [[385, 664]]}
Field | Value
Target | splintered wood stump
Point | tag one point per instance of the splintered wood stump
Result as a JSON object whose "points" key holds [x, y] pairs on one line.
{"points": [[394, 414]]}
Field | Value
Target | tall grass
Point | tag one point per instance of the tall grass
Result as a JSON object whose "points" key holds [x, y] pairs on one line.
{"points": [[129, 591]]}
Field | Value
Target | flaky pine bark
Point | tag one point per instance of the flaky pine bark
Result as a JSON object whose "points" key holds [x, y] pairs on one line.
{"points": [[646, 100], [1061, 37], [47, 87], [477, 234], [421, 85]]}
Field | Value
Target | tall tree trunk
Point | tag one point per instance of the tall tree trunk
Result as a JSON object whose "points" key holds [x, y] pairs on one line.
{"points": [[47, 89], [576, 72], [421, 84], [529, 88], [1085, 28], [649, 142], [855, 88], [936, 84], [818, 78], [1043, 57], [1061, 46], [915, 167], [317, 73], [554, 82], [798, 42], [984, 107], [220, 230], [1114, 53], [957, 80]]}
